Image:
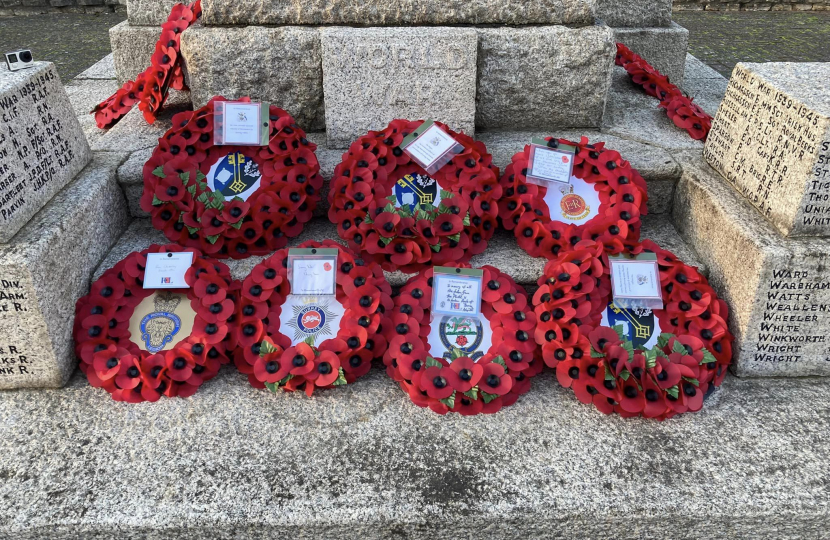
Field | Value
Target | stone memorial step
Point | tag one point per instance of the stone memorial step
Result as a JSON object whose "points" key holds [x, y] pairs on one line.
{"points": [[362, 462], [778, 289], [634, 13], [42, 146], [46, 267], [771, 141], [662, 47], [132, 47]]}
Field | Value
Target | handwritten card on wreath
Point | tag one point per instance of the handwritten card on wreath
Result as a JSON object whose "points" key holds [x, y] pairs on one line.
{"points": [[456, 291]]}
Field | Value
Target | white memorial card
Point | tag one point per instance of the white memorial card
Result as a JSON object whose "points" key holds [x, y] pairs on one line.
{"points": [[550, 165], [636, 282], [456, 291], [313, 271], [242, 123], [167, 270], [431, 147]]}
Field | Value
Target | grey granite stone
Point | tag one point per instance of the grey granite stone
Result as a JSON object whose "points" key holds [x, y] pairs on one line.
{"points": [[527, 77], [132, 48], [45, 268], [695, 69], [149, 12], [632, 13], [777, 289], [707, 93], [771, 141], [84, 94], [42, 146], [374, 75], [102, 69], [662, 47], [279, 65], [404, 13], [362, 462]]}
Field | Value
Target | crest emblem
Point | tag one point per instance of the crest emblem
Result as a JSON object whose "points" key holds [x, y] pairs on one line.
{"points": [[159, 327], [312, 317], [464, 333], [234, 175], [241, 116], [640, 325], [415, 189], [642, 279], [573, 206]]}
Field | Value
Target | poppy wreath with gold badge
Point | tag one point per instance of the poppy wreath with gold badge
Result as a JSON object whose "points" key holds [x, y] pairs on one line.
{"points": [[140, 344], [392, 211], [603, 201], [301, 343], [654, 363], [231, 201], [463, 364]]}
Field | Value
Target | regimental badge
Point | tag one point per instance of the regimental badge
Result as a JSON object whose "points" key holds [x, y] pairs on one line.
{"points": [[639, 325], [642, 279], [461, 332], [573, 206], [159, 327], [415, 189], [234, 175], [313, 317]]}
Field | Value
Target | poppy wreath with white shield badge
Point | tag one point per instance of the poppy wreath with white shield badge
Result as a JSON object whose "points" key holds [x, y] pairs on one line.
{"points": [[392, 211], [452, 363], [144, 359], [654, 363], [231, 201], [301, 343], [603, 201]]}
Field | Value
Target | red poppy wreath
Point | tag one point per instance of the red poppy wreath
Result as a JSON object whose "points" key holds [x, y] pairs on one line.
{"points": [[463, 364], [631, 361], [231, 201], [603, 201], [302, 343], [139, 344], [391, 210]]}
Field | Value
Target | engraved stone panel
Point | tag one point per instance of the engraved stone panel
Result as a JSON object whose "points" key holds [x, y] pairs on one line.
{"points": [[374, 75], [42, 145], [771, 141]]}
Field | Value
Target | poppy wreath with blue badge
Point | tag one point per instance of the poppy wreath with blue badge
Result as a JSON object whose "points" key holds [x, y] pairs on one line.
{"points": [[302, 342], [639, 362], [392, 211], [604, 201], [140, 344], [231, 201], [454, 364]]}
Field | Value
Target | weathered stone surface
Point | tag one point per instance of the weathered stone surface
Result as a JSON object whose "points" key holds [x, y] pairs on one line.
{"points": [[134, 133], [132, 48], [102, 69], [662, 47], [696, 69], [374, 75], [771, 141], [382, 13], [516, 67], [42, 146], [84, 94], [278, 65], [778, 289], [632, 13], [149, 12], [45, 268], [707, 93], [223, 465]]}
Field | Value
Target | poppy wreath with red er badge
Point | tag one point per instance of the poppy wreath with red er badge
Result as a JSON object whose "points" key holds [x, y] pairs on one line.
{"points": [[231, 201], [391, 210], [302, 342], [603, 201], [139, 344], [631, 361], [459, 363]]}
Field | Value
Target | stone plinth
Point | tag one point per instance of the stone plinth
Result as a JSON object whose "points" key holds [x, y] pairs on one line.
{"points": [[46, 267], [771, 141], [662, 47], [633, 13], [516, 67], [280, 65], [132, 48], [778, 289], [402, 13], [149, 12], [42, 145], [374, 75]]}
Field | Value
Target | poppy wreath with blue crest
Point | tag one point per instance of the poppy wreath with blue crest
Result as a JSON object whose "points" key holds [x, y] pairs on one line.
{"points": [[460, 383], [409, 237], [217, 222], [109, 354], [604, 365], [266, 354], [621, 191]]}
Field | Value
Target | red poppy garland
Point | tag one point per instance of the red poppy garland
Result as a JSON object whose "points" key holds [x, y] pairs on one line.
{"points": [[680, 109], [455, 363], [302, 343], [139, 344], [150, 87], [231, 201], [604, 201], [633, 362], [391, 210]]}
